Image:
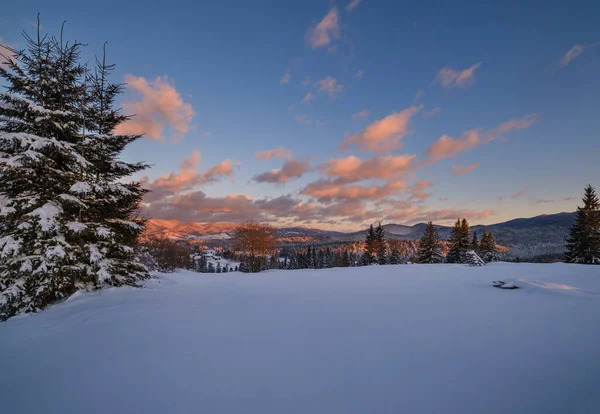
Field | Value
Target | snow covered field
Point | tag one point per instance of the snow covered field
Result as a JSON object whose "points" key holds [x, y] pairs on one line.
{"points": [[389, 339]]}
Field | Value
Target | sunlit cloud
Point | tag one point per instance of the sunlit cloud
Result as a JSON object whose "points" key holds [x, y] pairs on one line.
{"points": [[330, 86], [514, 196], [158, 108], [280, 152], [352, 169], [302, 119], [450, 78], [307, 98], [364, 114], [384, 134], [325, 31], [416, 191], [571, 54], [328, 190], [290, 170], [418, 97], [464, 169], [352, 5]]}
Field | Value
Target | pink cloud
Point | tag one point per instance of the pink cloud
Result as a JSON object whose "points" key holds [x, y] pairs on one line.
{"points": [[464, 169], [571, 54], [447, 147], [302, 119], [450, 78], [353, 4], [325, 31], [159, 107], [328, 190], [364, 114], [384, 134], [281, 152], [352, 169], [307, 98], [330, 86], [416, 190], [291, 169]]}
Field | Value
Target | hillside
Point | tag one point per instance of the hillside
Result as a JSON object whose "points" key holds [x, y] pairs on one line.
{"points": [[524, 237]]}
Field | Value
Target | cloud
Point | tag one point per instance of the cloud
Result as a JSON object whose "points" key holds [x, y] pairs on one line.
{"points": [[418, 96], [285, 79], [168, 184], [306, 82], [571, 54], [327, 191], [464, 169], [359, 74], [364, 114], [416, 191], [384, 134], [281, 152], [411, 216], [447, 147], [291, 169], [159, 107], [450, 78], [329, 85], [513, 196], [303, 120], [325, 31], [542, 201], [435, 111], [352, 5], [353, 169], [569, 198], [307, 98]]}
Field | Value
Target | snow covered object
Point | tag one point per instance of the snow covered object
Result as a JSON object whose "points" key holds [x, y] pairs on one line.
{"points": [[473, 258], [583, 243], [430, 249], [488, 248], [67, 219]]}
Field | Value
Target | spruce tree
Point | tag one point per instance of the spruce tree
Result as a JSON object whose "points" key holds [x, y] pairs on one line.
{"points": [[488, 248], [459, 242], [370, 250], [430, 250], [475, 243], [75, 228], [380, 245], [583, 242]]}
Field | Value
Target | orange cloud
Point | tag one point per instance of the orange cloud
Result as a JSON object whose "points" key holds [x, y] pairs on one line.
{"points": [[446, 146], [158, 108], [352, 169], [329, 85], [291, 169], [364, 114], [464, 169], [384, 134], [571, 54], [327, 190], [450, 78], [281, 152], [417, 192], [325, 31]]}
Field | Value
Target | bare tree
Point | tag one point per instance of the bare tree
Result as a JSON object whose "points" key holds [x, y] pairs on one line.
{"points": [[256, 241]]}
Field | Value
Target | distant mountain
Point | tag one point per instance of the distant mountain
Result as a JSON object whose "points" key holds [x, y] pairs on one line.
{"points": [[524, 237]]}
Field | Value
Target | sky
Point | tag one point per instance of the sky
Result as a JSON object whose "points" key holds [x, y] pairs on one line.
{"points": [[338, 114]]}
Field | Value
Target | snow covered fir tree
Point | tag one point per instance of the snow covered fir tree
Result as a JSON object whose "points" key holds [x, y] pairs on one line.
{"points": [[487, 248], [583, 242], [67, 214], [460, 242], [430, 249]]}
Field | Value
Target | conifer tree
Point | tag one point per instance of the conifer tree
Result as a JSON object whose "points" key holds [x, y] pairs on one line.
{"points": [[430, 250], [460, 243], [475, 243], [395, 257], [380, 245], [75, 228], [370, 250], [583, 242], [488, 248]]}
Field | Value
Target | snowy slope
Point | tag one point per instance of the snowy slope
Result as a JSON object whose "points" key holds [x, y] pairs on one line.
{"points": [[387, 339]]}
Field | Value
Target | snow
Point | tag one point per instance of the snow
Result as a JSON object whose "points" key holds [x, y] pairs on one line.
{"points": [[47, 215], [76, 226], [80, 188], [383, 339]]}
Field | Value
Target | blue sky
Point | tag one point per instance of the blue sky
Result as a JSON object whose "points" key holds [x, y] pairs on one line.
{"points": [[524, 75]]}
